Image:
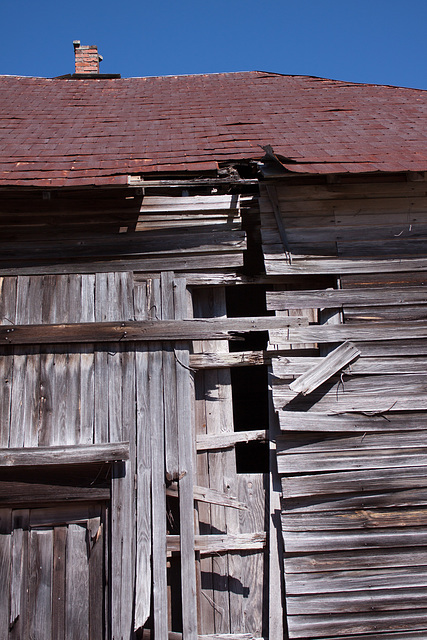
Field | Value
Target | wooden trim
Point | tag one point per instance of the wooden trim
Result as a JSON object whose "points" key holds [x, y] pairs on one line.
{"points": [[144, 330], [80, 454]]}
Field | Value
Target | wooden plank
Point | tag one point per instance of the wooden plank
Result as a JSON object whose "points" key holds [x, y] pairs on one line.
{"points": [[361, 422], [204, 494], [28, 492], [363, 332], [143, 470], [217, 469], [354, 481], [307, 265], [321, 372], [40, 584], [285, 367], [332, 298], [319, 627], [340, 581], [167, 312], [186, 262], [97, 580], [368, 499], [364, 519], [64, 455], [186, 476], [163, 242], [77, 583], [59, 582], [227, 440], [7, 316], [307, 444], [206, 328], [5, 572], [352, 460], [351, 539], [158, 505], [362, 559], [222, 543], [252, 490], [26, 366], [226, 360]]}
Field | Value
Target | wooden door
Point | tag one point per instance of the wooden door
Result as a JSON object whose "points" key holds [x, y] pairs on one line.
{"points": [[53, 574]]}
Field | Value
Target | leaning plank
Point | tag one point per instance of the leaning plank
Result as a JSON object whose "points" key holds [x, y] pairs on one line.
{"points": [[327, 367], [226, 440], [64, 455], [152, 330], [218, 543], [211, 496], [332, 298]]}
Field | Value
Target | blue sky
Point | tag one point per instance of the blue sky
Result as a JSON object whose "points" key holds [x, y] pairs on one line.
{"points": [[375, 41]]}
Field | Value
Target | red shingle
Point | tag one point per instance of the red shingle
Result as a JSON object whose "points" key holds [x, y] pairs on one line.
{"points": [[98, 131]]}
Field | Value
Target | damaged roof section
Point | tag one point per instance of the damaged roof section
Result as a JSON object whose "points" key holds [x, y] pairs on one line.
{"points": [[56, 132]]}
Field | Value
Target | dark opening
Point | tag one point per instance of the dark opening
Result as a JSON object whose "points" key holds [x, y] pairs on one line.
{"points": [[249, 385]]}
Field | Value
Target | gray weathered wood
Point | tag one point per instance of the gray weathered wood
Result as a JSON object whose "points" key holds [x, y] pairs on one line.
{"points": [[125, 331], [210, 496], [226, 440], [217, 543], [64, 455], [330, 365], [77, 583], [158, 499], [332, 298], [226, 360]]}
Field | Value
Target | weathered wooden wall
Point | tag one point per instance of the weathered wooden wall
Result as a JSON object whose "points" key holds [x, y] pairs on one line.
{"points": [[353, 446]]}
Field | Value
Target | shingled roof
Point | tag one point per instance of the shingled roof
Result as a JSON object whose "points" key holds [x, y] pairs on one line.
{"points": [[56, 132]]}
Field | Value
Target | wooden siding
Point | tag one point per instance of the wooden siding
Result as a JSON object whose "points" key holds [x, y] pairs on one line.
{"points": [[352, 454], [119, 230]]}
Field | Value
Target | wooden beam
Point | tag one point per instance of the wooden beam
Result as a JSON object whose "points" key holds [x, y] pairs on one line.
{"points": [[144, 330], [80, 454], [218, 543], [226, 440], [327, 367], [211, 496]]}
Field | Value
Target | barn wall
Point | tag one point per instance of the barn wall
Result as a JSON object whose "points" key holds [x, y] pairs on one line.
{"points": [[352, 450]]}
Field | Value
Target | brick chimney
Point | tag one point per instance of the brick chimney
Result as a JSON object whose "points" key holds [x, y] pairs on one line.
{"points": [[86, 58]]}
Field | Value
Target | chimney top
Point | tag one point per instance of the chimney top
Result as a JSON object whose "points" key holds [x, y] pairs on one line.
{"points": [[86, 58]]}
